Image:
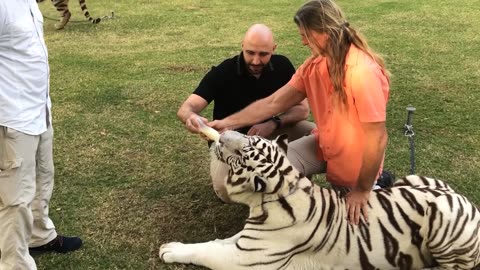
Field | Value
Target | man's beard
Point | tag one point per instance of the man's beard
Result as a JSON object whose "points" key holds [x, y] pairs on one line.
{"points": [[256, 69]]}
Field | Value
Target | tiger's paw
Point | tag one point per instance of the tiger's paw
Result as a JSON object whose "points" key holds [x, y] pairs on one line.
{"points": [[63, 21], [176, 252]]}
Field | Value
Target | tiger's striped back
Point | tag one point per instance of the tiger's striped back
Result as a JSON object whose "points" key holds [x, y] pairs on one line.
{"points": [[416, 180], [409, 224]]}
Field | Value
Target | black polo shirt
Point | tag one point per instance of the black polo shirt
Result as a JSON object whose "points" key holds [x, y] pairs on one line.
{"points": [[232, 87]]}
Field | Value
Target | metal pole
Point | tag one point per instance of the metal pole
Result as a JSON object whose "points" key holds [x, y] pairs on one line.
{"points": [[409, 133], [410, 111]]}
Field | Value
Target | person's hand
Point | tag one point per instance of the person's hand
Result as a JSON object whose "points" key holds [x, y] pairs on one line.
{"points": [[263, 129], [356, 203], [219, 125], [192, 125]]}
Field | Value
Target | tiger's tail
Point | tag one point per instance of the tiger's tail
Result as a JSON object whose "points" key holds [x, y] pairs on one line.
{"points": [[84, 8]]}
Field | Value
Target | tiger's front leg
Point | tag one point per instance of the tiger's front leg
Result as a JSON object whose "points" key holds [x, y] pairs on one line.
{"points": [[217, 254]]}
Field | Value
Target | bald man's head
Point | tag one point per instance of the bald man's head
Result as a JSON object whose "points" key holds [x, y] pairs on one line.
{"points": [[258, 46], [259, 35]]}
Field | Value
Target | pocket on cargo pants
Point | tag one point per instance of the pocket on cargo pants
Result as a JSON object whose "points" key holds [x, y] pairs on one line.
{"points": [[9, 163], [8, 156]]}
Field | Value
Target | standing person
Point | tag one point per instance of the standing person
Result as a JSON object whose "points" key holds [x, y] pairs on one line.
{"points": [[237, 82], [26, 136], [347, 87]]}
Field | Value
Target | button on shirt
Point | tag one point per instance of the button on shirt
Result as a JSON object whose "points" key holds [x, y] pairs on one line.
{"points": [[24, 72], [340, 135]]}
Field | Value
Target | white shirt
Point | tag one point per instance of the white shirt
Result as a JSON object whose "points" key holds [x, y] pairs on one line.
{"points": [[24, 72]]}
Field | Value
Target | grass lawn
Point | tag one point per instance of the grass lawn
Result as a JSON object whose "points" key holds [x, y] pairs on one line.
{"points": [[129, 177]]}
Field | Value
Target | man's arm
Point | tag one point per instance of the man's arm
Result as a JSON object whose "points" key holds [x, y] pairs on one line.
{"points": [[296, 113], [189, 111], [375, 144], [293, 115], [280, 101]]}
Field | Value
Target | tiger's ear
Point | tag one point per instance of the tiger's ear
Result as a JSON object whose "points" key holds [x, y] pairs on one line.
{"points": [[282, 142], [259, 184]]}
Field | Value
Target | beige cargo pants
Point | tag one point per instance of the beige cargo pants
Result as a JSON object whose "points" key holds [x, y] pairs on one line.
{"points": [[26, 184]]}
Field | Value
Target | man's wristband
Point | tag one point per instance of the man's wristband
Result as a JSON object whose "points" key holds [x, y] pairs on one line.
{"points": [[277, 121]]}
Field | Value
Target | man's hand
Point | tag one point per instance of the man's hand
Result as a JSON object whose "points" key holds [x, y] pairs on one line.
{"points": [[263, 129], [192, 125], [220, 125], [356, 205]]}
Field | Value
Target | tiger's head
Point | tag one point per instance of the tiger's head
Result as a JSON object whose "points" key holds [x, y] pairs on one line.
{"points": [[258, 166]]}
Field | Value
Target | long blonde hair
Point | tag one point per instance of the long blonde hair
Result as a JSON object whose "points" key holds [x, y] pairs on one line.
{"points": [[324, 16]]}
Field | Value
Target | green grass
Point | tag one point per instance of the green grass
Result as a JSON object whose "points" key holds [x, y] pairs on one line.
{"points": [[129, 177]]}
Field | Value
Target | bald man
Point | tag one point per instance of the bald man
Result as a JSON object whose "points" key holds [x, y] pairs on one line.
{"points": [[238, 81]]}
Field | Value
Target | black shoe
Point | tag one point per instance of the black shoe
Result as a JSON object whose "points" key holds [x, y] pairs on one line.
{"points": [[61, 244], [386, 179]]}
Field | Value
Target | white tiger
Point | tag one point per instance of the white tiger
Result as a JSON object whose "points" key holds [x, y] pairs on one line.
{"points": [[420, 223]]}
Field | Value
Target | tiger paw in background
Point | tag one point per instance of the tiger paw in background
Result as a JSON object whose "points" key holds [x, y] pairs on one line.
{"points": [[62, 7], [293, 224], [64, 20]]}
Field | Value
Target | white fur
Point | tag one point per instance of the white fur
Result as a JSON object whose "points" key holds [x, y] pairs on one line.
{"points": [[286, 240]]}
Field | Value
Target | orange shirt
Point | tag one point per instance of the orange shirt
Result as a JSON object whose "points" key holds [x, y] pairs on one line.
{"points": [[340, 135]]}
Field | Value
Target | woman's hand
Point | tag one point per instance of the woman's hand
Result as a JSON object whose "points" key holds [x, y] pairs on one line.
{"points": [[356, 202]]}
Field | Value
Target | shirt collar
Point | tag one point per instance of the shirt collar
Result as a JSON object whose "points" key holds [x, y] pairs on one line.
{"points": [[350, 59], [318, 59], [242, 67], [352, 55]]}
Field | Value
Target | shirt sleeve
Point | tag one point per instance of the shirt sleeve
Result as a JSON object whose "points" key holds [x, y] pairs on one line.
{"points": [[208, 85], [297, 80], [370, 93], [290, 68]]}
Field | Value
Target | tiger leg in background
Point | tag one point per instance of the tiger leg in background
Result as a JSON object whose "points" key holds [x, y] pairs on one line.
{"points": [[62, 8], [84, 8]]}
